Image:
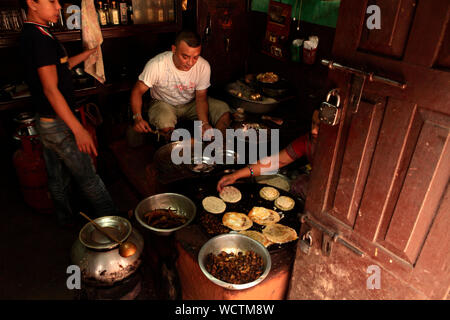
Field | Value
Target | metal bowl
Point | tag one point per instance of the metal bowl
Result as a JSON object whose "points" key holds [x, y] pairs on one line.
{"points": [[92, 238], [234, 243], [183, 206]]}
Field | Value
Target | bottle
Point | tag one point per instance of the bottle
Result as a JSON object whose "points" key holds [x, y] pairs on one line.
{"points": [[123, 12], [150, 11], [101, 15], [106, 11], [130, 12], [160, 11], [170, 10], [115, 18]]}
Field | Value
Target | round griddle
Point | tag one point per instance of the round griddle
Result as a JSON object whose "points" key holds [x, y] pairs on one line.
{"points": [[250, 199]]}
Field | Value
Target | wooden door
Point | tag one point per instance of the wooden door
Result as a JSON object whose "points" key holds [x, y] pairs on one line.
{"points": [[381, 176], [222, 26]]}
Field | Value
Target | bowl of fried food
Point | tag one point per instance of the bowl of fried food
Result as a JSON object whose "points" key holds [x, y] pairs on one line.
{"points": [[234, 261], [165, 213]]}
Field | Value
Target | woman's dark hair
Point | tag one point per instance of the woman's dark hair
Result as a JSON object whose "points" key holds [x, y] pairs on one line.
{"points": [[191, 38]]}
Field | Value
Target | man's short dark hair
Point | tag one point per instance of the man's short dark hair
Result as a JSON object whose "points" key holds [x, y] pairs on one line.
{"points": [[23, 4], [191, 38]]}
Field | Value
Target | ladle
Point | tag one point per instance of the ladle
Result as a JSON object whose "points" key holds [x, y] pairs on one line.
{"points": [[126, 249]]}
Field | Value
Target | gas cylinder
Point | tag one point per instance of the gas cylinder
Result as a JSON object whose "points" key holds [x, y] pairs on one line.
{"points": [[30, 166]]}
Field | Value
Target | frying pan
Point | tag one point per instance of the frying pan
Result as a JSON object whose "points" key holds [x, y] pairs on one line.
{"points": [[250, 199]]}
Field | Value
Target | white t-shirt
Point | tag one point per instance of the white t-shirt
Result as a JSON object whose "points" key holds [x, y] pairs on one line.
{"points": [[171, 85]]}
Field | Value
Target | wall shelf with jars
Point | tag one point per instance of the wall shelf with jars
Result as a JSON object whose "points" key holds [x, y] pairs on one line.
{"points": [[120, 18]]}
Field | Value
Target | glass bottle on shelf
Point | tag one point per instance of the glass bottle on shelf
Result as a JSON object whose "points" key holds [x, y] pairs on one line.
{"points": [[102, 15], [130, 11], [107, 12], [150, 11], [115, 18], [123, 12], [160, 11], [170, 10]]}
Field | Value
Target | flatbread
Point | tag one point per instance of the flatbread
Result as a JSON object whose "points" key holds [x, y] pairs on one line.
{"points": [[214, 205], [269, 193], [230, 194], [275, 182], [258, 236], [236, 221], [264, 216], [285, 203], [278, 233]]}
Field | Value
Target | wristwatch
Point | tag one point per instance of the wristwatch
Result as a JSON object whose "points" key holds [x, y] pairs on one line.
{"points": [[137, 115]]}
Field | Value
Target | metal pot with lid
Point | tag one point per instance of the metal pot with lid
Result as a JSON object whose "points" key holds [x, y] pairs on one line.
{"points": [[98, 257]]}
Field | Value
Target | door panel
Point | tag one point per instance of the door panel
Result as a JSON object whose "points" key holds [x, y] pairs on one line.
{"points": [[361, 141], [380, 177], [396, 18], [423, 187]]}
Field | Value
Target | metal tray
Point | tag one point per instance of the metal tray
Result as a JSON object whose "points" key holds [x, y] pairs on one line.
{"points": [[250, 199]]}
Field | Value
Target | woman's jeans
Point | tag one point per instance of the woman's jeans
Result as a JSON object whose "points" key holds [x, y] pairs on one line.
{"points": [[65, 161]]}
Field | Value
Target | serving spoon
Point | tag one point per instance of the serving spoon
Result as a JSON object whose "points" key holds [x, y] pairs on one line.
{"points": [[126, 249]]}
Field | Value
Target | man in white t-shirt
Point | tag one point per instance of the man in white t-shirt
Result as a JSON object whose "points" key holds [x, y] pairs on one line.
{"points": [[178, 80]]}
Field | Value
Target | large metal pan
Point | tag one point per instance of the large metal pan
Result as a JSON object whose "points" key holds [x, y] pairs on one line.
{"points": [[250, 198], [266, 105]]}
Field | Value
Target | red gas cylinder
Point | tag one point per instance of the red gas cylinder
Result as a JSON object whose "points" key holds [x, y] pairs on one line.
{"points": [[30, 168]]}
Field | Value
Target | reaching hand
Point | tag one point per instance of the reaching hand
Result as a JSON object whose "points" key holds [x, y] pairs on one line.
{"points": [[224, 181], [85, 142], [140, 125], [210, 134]]}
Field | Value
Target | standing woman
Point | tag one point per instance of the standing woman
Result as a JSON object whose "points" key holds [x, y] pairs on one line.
{"points": [[67, 144]]}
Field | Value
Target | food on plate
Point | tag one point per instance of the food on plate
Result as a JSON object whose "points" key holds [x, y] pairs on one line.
{"points": [[269, 193], [263, 216], [278, 233], [258, 236], [267, 77], [230, 194], [164, 218], [237, 221], [214, 205], [284, 203], [243, 267]]}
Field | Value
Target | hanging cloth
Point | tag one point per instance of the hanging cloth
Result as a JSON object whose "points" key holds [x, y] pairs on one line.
{"points": [[91, 36]]}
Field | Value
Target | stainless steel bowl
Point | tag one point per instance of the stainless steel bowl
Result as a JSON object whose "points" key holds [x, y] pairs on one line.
{"points": [[234, 243], [92, 238], [183, 206]]}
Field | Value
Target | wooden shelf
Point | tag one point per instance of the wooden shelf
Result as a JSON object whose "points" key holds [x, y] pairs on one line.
{"points": [[11, 39], [106, 89]]}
